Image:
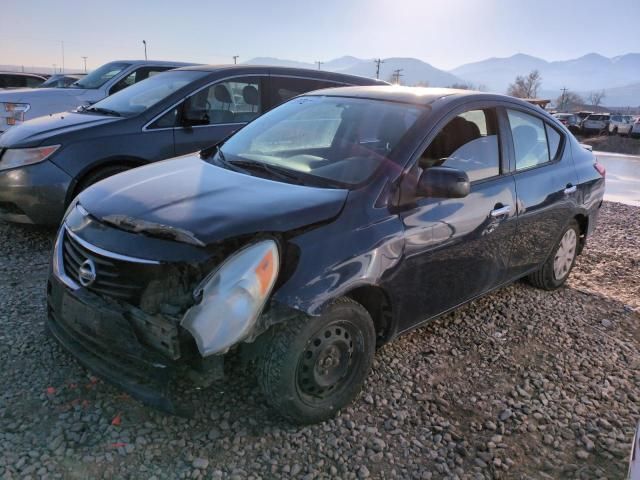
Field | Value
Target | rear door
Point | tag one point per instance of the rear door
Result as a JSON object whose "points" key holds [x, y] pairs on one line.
{"points": [[222, 108], [546, 184], [458, 248]]}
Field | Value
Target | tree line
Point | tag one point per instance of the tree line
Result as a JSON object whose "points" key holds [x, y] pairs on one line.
{"points": [[528, 86]]}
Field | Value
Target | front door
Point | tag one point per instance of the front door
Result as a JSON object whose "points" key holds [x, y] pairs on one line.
{"points": [[458, 248], [220, 109]]}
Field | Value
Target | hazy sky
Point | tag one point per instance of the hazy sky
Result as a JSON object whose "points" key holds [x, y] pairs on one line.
{"points": [[445, 33]]}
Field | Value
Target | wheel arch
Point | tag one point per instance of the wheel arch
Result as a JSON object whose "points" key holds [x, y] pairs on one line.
{"points": [[583, 223], [120, 160], [377, 302]]}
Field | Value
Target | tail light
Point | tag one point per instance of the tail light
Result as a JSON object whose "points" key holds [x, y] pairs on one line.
{"points": [[600, 168]]}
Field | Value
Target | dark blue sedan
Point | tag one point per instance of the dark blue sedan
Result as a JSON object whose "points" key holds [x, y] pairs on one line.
{"points": [[326, 227]]}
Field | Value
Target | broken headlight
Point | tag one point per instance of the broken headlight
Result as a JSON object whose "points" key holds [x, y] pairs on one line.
{"points": [[232, 297]]}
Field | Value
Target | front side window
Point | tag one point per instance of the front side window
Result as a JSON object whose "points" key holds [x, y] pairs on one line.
{"points": [[137, 76], [231, 101], [469, 142], [141, 96], [335, 140], [529, 139], [101, 75]]}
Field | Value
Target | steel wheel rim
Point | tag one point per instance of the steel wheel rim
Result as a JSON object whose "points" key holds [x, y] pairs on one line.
{"points": [[329, 361], [565, 254]]}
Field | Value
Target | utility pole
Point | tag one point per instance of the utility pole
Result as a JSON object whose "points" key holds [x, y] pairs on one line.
{"points": [[397, 75], [378, 61], [235, 59], [563, 99], [62, 43], [84, 59], [319, 63], [144, 42]]}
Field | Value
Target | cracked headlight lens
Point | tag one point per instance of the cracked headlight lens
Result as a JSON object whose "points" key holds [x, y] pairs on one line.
{"points": [[232, 298]]}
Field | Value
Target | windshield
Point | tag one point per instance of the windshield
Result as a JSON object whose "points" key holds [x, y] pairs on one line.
{"points": [[142, 95], [101, 75], [340, 140]]}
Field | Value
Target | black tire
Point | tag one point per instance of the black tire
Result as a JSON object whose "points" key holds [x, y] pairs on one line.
{"points": [[293, 372], [545, 278], [99, 174]]}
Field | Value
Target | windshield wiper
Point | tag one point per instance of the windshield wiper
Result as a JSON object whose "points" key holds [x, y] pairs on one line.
{"points": [[106, 111], [273, 170]]}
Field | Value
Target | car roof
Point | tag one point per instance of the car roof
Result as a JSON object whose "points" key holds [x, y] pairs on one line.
{"points": [[24, 74], [412, 95], [291, 71], [155, 62]]}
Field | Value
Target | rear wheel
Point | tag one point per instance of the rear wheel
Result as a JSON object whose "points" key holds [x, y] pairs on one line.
{"points": [[555, 271], [312, 368]]}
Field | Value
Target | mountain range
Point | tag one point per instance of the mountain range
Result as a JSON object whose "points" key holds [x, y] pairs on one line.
{"points": [[618, 76]]}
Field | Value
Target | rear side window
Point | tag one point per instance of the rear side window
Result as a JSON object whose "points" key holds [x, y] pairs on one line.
{"points": [[469, 142], [529, 140], [13, 81], [554, 140], [282, 89]]}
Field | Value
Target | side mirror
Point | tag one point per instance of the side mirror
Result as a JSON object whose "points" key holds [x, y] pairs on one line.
{"points": [[443, 182]]}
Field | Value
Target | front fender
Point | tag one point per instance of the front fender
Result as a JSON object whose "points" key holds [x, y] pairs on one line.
{"points": [[336, 259]]}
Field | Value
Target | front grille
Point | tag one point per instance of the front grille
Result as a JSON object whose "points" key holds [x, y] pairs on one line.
{"points": [[113, 277]]}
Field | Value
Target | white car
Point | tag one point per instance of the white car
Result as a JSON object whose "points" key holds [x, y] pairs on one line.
{"points": [[596, 123], [635, 128], [19, 105], [620, 125]]}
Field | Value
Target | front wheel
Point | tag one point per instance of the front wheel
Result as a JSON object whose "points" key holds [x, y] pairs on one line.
{"points": [[556, 269], [312, 368]]}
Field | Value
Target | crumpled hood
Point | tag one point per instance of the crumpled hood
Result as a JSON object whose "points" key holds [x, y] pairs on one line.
{"points": [[29, 95], [42, 129], [208, 202]]}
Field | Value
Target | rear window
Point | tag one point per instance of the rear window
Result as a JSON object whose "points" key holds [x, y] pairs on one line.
{"points": [[598, 117]]}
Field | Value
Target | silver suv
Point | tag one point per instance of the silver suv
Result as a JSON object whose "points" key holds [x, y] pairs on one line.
{"points": [[596, 123], [16, 106], [620, 125]]}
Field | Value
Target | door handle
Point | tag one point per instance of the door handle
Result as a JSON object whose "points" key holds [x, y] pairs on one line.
{"points": [[570, 189], [499, 212]]}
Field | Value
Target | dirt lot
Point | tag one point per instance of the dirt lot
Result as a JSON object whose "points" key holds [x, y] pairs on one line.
{"points": [[613, 144], [520, 384]]}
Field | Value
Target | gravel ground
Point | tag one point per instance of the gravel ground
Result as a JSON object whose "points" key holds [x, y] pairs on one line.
{"points": [[519, 384]]}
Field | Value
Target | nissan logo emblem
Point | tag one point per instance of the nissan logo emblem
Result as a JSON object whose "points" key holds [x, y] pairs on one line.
{"points": [[87, 273]]}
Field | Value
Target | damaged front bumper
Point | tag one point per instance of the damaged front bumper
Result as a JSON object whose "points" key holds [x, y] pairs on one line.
{"points": [[123, 317], [99, 334]]}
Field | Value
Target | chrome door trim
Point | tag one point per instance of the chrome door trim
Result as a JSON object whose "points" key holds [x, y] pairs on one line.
{"points": [[146, 125], [213, 82]]}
